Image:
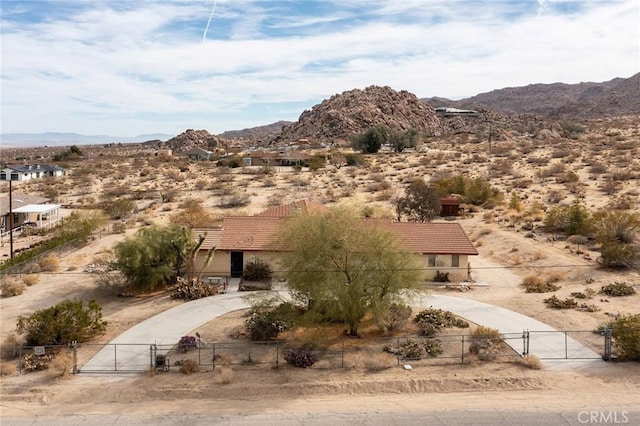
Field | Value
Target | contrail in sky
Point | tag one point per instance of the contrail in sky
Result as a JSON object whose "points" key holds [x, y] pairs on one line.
{"points": [[204, 36]]}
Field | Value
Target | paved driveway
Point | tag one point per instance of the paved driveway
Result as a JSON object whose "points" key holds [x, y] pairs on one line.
{"points": [[166, 328]]}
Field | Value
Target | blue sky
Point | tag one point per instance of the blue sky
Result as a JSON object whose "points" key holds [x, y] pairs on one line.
{"points": [[131, 67]]}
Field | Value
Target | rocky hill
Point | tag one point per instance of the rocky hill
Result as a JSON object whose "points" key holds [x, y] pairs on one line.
{"points": [[354, 111], [193, 139], [255, 133], [583, 100]]}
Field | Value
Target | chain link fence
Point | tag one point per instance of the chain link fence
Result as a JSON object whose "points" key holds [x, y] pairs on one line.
{"points": [[343, 352]]}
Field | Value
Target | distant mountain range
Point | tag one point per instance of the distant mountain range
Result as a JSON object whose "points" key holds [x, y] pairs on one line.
{"points": [[355, 110], [64, 139], [620, 96]]}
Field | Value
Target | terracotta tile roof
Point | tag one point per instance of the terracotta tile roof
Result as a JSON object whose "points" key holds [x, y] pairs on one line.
{"points": [[259, 233], [287, 210], [212, 237], [449, 201], [430, 238], [250, 233]]}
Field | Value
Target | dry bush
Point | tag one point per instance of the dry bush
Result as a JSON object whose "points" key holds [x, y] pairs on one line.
{"points": [[49, 263], [532, 362], [378, 362], [8, 369], [189, 366], [539, 255], [10, 348], [62, 365], [535, 284], [30, 280], [554, 276], [223, 374], [11, 288]]}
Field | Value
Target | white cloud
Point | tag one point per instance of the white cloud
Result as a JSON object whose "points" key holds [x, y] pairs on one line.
{"points": [[101, 70]]}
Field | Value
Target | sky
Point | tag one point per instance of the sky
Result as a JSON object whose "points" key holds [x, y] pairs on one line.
{"points": [[163, 66]]}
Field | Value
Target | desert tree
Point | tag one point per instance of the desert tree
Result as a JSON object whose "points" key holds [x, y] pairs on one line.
{"points": [[421, 202], [372, 139], [403, 140], [344, 267], [192, 214], [574, 219], [617, 232], [154, 257]]}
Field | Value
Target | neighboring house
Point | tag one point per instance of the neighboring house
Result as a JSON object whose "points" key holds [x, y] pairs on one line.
{"points": [[449, 206], [30, 171], [198, 154], [27, 209], [276, 158], [443, 247]]}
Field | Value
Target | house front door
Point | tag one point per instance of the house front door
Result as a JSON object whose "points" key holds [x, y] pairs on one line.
{"points": [[237, 264]]}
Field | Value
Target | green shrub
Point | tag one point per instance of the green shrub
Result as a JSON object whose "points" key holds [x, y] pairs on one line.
{"points": [[396, 315], [257, 270], [555, 303], [432, 320], [626, 336], [62, 324], [266, 323], [618, 289]]}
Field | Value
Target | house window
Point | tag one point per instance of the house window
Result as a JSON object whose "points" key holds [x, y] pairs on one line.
{"points": [[14, 176], [432, 261], [455, 260]]}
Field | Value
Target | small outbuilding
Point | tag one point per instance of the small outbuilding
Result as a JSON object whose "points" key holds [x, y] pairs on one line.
{"points": [[449, 206]]}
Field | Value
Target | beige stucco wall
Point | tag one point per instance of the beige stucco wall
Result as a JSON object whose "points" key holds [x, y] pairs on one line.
{"points": [[221, 263], [443, 264]]}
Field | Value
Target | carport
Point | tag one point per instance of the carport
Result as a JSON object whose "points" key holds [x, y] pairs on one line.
{"points": [[47, 214]]}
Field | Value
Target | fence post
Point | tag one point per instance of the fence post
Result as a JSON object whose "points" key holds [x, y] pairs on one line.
{"points": [[20, 366], [342, 355], [607, 344], [462, 354], [277, 354], [213, 355], [151, 363], [74, 349], [525, 342], [566, 356], [398, 351], [115, 357]]}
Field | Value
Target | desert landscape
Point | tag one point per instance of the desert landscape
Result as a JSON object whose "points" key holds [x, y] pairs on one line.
{"points": [[533, 164]]}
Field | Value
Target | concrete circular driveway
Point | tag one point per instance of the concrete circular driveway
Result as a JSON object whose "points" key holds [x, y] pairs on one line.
{"points": [[167, 327]]}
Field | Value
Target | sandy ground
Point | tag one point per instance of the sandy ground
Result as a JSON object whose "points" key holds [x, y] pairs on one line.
{"points": [[507, 255]]}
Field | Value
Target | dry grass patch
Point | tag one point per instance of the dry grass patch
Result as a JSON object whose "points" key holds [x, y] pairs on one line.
{"points": [[30, 280], [11, 288], [532, 362], [61, 366], [49, 263], [536, 284]]}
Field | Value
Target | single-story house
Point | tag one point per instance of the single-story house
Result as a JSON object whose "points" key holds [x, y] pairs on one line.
{"points": [[449, 206], [27, 209], [444, 247], [30, 171], [276, 158], [198, 154]]}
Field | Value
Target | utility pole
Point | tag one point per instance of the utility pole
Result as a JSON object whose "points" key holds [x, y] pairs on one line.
{"points": [[10, 220]]}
